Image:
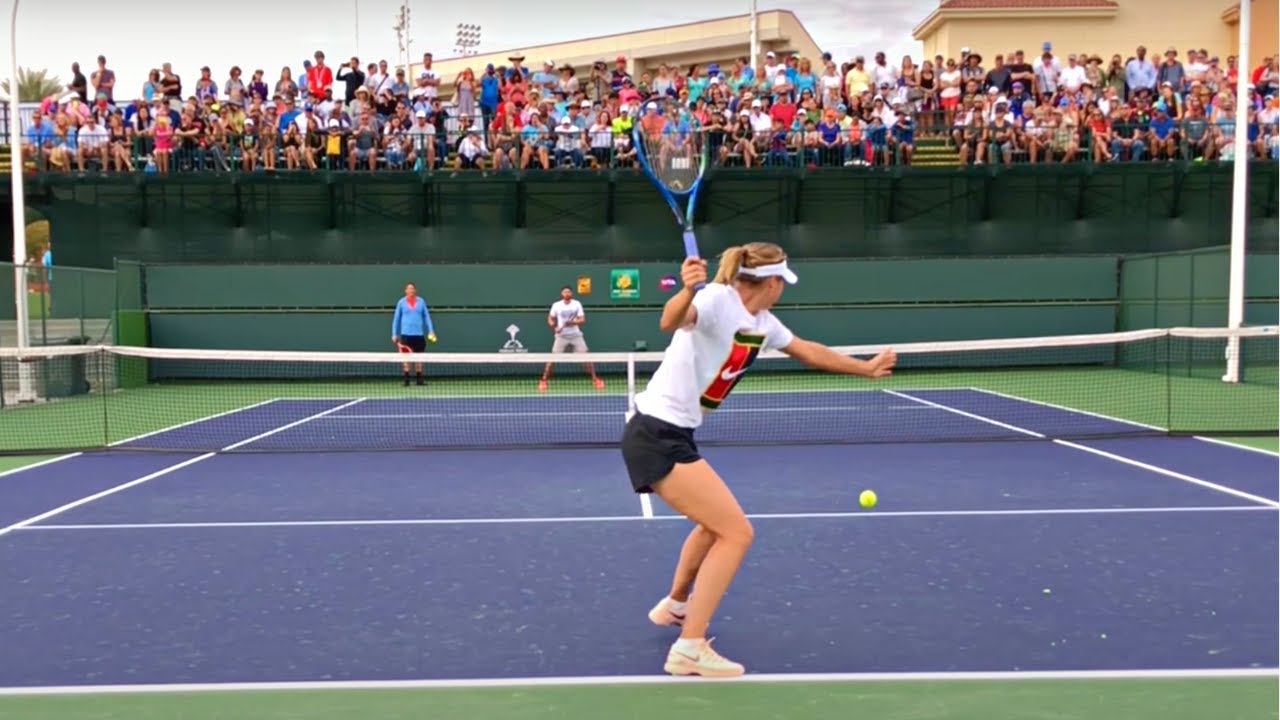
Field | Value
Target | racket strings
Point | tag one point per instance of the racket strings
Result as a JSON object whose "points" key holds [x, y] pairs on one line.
{"points": [[674, 157]]}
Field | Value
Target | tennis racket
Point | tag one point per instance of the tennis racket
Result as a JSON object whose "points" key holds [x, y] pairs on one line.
{"points": [[404, 348], [673, 152]]}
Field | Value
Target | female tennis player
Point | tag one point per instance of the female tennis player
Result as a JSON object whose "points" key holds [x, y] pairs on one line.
{"points": [[411, 327], [718, 332]]}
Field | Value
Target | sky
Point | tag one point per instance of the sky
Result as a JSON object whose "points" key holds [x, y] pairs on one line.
{"points": [[137, 35]]}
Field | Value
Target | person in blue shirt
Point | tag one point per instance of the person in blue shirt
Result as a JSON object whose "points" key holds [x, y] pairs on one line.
{"points": [[411, 327]]}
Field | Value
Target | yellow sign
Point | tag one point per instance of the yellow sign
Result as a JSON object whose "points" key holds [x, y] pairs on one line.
{"points": [[584, 284]]}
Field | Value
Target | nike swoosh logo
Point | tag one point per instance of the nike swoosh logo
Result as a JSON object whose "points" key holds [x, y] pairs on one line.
{"points": [[726, 375]]}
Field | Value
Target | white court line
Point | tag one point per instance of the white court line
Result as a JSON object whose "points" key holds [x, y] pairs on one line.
{"points": [[1170, 473], [535, 682], [1122, 421], [42, 463], [1226, 443], [957, 411], [163, 471], [863, 515], [191, 422], [1111, 456], [609, 413], [118, 443], [586, 394], [1073, 411]]}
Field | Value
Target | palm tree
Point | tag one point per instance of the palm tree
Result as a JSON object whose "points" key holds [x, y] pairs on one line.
{"points": [[34, 85]]}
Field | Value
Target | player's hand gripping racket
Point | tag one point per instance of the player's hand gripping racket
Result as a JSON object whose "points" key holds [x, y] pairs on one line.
{"points": [[674, 156]]}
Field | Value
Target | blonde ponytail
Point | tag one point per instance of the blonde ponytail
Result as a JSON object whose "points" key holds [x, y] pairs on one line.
{"points": [[730, 261], [750, 255]]}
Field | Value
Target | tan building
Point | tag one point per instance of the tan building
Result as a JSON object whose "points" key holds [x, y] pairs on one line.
{"points": [[1096, 26], [720, 40]]}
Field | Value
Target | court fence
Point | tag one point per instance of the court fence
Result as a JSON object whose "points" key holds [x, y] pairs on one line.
{"points": [[1142, 382]]}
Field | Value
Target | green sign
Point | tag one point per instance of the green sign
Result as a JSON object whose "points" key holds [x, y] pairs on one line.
{"points": [[624, 284]]}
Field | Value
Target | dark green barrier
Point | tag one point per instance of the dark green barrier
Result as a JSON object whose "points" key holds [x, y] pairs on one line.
{"points": [[611, 330], [62, 303], [1190, 289], [533, 286], [586, 216]]}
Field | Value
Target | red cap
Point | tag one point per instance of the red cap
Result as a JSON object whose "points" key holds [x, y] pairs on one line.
{"points": [[622, 58]]}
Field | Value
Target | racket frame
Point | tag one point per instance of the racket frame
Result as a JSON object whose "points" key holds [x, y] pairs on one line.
{"points": [[683, 218]]}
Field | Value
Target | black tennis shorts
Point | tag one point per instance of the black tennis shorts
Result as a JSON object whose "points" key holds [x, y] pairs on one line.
{"points": [[651, 448], [416, 343]]}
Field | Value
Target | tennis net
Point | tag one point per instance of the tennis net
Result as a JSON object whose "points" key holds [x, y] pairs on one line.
{"points": [[1072, 387]]}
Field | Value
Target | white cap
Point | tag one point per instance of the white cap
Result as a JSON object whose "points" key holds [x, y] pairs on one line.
{"points": [[770, 54], [420, 113], [775, 270]]}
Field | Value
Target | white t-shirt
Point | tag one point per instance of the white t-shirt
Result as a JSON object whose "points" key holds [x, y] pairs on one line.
{"points": [[564, 312], [703, 363], [431, 91]]}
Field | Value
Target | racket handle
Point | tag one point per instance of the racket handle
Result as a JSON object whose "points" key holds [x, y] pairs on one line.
{"points": [[691, 250]]}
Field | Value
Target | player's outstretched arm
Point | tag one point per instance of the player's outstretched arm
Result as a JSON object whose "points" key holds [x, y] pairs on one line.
{"points": [[821, 357]]}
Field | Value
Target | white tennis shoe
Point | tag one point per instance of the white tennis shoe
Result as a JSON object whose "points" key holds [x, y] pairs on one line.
{"points": [[662, 614]]}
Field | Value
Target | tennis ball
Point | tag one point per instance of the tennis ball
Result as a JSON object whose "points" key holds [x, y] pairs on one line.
{"points": [[867, 498]]}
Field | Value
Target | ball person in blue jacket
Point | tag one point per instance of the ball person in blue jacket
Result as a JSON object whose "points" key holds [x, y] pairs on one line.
{"points": [[411, 327]]}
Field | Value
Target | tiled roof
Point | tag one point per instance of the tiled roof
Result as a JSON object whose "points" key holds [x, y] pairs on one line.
{"points": [[1023, 4]]}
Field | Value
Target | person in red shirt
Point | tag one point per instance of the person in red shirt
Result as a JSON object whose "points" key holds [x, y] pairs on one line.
{"points": [[319, 77], [785, 110]]}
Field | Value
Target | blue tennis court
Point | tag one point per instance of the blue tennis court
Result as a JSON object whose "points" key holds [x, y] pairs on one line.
{"points": [[253, 565]]}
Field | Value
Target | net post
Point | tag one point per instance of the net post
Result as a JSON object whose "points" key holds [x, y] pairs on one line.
{"points": [[631, 385], [1239, 198]]}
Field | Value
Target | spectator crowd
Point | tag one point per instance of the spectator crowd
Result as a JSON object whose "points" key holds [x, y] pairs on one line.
{"points": [[789, 110]]}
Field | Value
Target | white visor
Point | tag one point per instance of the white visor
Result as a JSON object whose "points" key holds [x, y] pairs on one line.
{"points": [[775, 270]]}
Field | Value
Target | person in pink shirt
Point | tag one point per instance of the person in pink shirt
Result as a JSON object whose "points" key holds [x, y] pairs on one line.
{"points": [[628, 94], [164, 143]]}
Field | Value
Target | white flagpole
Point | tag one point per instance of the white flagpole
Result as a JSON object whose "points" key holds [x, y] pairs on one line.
{"points": [[1239, 199], [26, 391]]}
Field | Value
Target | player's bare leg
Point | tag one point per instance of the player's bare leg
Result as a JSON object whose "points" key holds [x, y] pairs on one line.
{"points": [[696, 491], [595, 379], [671, 610], [546, 377]]}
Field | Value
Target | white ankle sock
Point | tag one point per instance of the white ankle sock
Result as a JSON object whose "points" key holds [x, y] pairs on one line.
{"points": [[688, 646], [676, 606]]}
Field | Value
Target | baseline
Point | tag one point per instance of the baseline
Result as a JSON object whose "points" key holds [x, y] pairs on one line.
{"points": [[580, 681]]}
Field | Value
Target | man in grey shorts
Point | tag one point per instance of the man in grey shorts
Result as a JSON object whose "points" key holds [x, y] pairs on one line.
{"points": [[565, 320]]}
